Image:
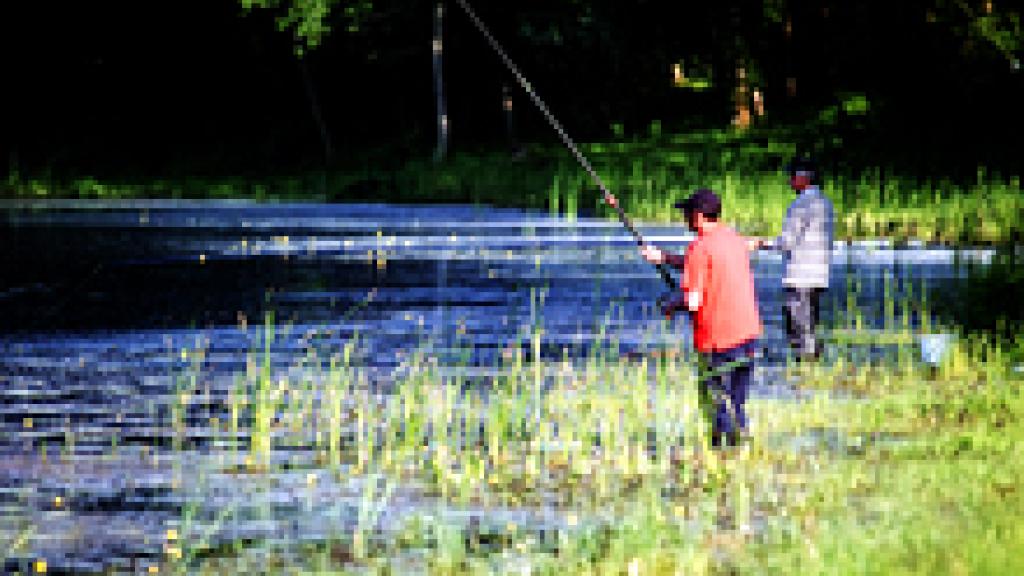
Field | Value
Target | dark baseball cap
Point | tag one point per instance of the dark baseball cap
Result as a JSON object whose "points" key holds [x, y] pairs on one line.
{"points": [[802, 164], [704, 201]]}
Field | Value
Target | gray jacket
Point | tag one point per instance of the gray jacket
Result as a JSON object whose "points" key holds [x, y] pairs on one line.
{"points": [[806, 240]]}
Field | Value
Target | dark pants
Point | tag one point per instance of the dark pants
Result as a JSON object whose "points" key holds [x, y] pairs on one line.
{"points": [[723, 385], [802, 321]]}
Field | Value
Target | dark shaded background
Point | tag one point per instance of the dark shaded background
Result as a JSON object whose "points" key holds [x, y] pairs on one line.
{"points": [[149, 89]]}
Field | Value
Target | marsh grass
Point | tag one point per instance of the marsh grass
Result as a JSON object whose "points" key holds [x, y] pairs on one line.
{"points": [[536, 434], [916, 476], [648, 176], [755, 193], [915, 473]]}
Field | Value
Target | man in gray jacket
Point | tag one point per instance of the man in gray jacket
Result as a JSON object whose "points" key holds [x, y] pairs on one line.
{"points": [[806, 243]]}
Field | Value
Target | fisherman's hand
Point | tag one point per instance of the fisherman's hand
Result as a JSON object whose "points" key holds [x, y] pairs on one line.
{"points": [[652, 254], [668, 307], [611, 200]]}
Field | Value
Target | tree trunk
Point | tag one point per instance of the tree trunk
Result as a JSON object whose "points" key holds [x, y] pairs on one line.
{"points": [[13, 171], [742, 119], [314, 108], [437, 48], [790, 67], [510, 122]]}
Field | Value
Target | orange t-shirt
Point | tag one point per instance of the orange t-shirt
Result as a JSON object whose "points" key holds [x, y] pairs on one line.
{"points": [[717, 266]]}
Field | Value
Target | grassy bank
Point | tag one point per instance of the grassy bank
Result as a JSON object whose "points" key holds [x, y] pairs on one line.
{"points": [[880, 468], [647, 175], [600, 464]]}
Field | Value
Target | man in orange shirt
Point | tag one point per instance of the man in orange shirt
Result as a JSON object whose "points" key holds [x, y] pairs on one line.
{"points": [[718, 291]]}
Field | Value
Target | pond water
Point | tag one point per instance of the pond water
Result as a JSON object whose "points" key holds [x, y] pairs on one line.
{"points": [[98, 301]]}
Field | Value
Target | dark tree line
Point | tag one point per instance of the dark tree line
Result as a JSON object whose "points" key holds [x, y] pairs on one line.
{"points": [[222, 86]]}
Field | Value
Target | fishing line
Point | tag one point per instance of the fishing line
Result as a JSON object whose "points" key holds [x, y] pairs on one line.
{"points": [[609, 198]]}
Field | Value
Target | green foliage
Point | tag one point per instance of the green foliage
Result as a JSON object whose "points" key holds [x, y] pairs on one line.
{"points": [[993, 26], [693, 74], [915, 474], [310, 20], [856, 104], [775, 10], [829, 116], [647, 176], [655, 129], [1002, 31]]}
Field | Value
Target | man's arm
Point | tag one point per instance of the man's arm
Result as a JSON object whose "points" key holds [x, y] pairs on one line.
{"points": [[758, 242], [793, 227], [656, 255], [673, 305], [687, 301]]}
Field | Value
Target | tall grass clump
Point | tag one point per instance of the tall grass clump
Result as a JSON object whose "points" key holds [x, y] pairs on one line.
{"points": [[878, 466], [647, 175]]}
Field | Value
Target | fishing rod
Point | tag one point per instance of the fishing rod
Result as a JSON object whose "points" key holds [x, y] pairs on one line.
{"points": [[609, 198]]}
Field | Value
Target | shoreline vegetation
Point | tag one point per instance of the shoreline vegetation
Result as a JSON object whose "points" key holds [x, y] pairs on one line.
{"points": [[601, 465], [648, 176], [868, 466], [880, 467]]}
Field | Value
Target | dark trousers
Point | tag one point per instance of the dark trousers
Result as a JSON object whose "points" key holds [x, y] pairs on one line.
{"points": [[802, 312], [723, 385]]}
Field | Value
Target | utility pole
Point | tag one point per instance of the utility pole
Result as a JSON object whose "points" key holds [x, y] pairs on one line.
{"points": [[437, 48]]}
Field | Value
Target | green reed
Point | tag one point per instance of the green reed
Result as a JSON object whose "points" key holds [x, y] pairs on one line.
{"points": [[894, 479]]}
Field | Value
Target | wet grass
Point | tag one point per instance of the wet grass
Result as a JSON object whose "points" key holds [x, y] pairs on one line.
{"points": [[922, 475], [918, 472], [607, 462]]}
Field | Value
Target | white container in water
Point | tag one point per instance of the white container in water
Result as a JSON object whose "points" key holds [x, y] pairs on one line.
{"points": [[934, 348]]}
